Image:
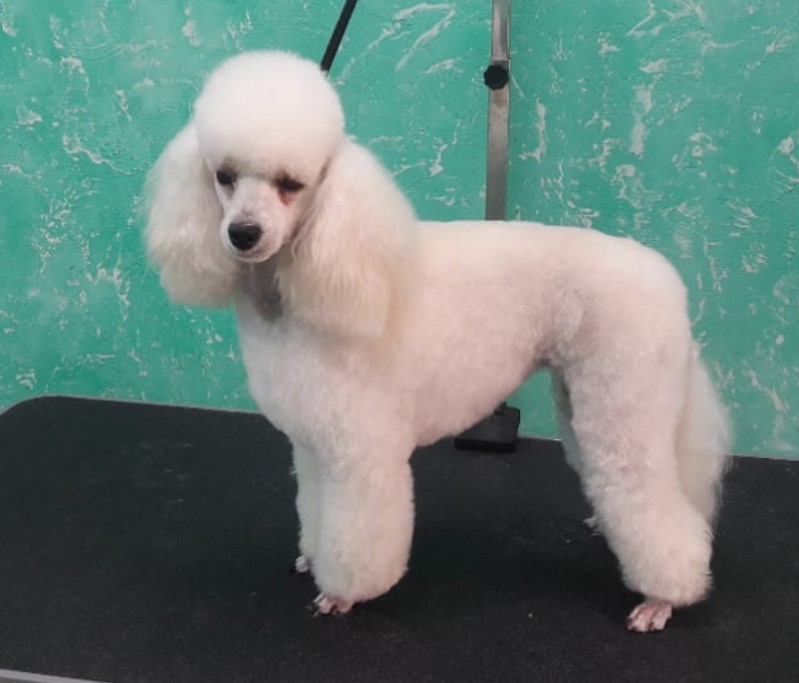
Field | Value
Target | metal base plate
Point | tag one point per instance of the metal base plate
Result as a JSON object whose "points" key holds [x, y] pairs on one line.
{"points": [[497, 433]]}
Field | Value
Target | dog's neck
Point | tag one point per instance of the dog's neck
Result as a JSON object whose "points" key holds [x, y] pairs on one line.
{"points": [[258, 282]]}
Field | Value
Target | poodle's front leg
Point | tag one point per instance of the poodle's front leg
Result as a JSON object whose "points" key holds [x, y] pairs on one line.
{"points": [[306, 470], [365, 529]]}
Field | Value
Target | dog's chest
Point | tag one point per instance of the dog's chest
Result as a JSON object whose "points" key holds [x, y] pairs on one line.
{"points": [[295, 381]]}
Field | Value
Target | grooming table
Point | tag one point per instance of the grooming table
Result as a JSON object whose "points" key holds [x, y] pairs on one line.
{"points": [[152, 544]]}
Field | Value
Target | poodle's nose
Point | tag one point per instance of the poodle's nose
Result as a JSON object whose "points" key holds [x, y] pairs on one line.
{"points": [[244, 236]]}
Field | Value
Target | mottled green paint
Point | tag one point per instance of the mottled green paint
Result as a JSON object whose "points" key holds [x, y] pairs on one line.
{"points": [[674, 122]]}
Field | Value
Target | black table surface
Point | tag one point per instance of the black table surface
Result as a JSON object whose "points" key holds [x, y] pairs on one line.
{"points": [[152, 544]]}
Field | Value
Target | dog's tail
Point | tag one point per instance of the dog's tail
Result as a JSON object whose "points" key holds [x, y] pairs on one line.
{"points": [[703, 440]]}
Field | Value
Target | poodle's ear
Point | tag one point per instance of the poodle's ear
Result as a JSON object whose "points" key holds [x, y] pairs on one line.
{"points": [[183, 225], [352, 248]]}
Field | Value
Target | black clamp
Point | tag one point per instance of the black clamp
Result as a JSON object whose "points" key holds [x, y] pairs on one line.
{"points": [[497, 75]]}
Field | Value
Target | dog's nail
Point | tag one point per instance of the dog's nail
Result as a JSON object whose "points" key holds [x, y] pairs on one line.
{"points": [[302, 565]]}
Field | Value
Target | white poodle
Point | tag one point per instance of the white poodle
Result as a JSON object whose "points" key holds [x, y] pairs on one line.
{"points": [[348, 306]]}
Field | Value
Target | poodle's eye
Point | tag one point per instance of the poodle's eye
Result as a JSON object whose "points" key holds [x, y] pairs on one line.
{"points": [[225, 178], [289, 185]]}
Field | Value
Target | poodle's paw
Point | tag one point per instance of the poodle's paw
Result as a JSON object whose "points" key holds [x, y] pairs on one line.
{"points": [[650, 615], [302, 565], [324, 604]]}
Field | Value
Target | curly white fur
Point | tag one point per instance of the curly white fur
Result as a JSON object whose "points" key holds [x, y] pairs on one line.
{"points": [[348, 306]]}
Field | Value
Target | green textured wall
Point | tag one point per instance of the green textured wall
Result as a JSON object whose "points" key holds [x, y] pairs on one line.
{"points": [[674, 122]]}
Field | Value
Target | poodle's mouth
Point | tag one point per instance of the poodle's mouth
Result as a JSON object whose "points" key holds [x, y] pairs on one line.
{"points": [[253, 255], [258, 253]]}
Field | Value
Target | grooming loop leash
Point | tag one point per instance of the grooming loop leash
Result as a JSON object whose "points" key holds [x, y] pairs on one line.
{"points": [[337, 35]]}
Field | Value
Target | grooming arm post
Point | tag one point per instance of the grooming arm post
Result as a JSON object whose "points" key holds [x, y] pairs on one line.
{"points": [[497, 78], [498, 431]]}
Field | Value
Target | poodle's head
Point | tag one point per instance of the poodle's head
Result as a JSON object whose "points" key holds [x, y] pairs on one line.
{"points": [[264, 171], [268, 123]]}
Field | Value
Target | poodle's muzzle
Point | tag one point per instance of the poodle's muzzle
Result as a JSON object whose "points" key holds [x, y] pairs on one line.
{"points": [[247, 242], [244, 236]]}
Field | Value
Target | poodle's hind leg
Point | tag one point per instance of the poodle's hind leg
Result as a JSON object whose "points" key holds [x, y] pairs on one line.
{"points": [[366, 525], [662, 542], [630, 474], [568, 439], [563, 410], [306, 471]]}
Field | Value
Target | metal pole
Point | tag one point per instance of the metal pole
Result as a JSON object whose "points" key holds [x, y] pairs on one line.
{"points": [[497, 78], [498, 431]]}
